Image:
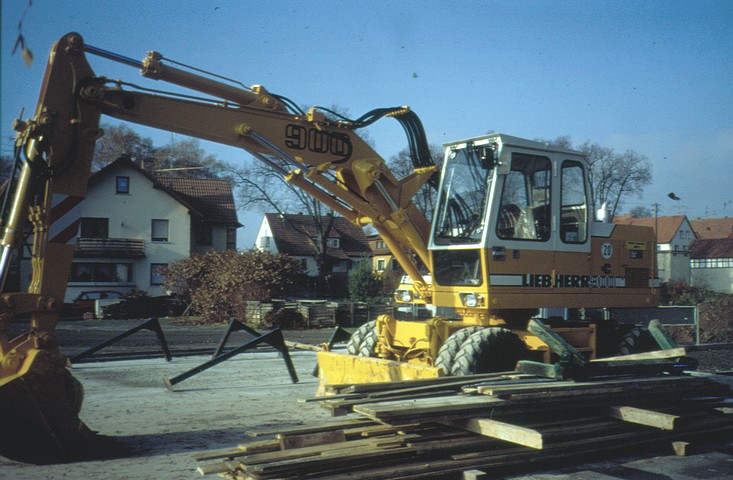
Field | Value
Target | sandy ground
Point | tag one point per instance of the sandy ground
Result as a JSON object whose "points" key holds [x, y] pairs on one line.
{"points": [[215, 409], [128, 400]]}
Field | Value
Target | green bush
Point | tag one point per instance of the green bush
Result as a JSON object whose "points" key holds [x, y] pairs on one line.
{"points": [[220, 283], [365, 285]]}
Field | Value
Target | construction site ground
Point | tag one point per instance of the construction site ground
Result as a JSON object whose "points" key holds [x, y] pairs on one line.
{"points": [[127, 400]]}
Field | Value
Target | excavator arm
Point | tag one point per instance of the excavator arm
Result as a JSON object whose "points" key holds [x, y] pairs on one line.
{"points": [[39, 399]]}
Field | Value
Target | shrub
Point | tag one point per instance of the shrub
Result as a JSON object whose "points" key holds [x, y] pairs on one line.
{"points": [[220, 283], [364, 284]]}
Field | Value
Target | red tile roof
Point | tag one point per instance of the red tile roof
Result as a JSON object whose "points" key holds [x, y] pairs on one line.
{"points": [[212, 197], [210, 200], [289, 234], [706, 228], [668, 226], [712, 248]]}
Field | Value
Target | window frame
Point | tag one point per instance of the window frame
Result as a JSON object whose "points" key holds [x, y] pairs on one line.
{"points": [[122, 185], [153, 230], [156, 279]]}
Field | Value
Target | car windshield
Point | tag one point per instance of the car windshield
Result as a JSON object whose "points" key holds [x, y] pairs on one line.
{"points": [[461, 210]]}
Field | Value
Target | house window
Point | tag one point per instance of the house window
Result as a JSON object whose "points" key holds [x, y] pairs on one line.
{"points": [[159, 230], [94, 227], [157, 273], [381, 264], [203, 233], [333, 243], [122, 184], [103, 272]]}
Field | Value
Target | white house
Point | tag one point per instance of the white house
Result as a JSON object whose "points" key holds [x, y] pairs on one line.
{"points": [[291, 234], [134, 224]]}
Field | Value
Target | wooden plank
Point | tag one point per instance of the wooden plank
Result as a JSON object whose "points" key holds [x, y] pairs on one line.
{"points": [[475, 474], [427, 406], [670, 353], [316, 427], [288, 442], [502, 431], [642, 416], [547, 370]]}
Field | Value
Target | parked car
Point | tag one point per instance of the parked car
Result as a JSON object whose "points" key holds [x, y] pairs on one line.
{"points": [[140, 305], [84, 303]]}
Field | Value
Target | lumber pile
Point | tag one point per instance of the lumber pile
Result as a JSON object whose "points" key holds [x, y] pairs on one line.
{"points": [[317, 313], [458, 427], [440, 428]]}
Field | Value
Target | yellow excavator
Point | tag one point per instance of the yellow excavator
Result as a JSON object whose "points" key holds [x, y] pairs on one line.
{"points": [[512, 232]]}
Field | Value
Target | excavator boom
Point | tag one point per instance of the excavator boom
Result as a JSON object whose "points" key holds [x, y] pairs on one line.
{"points": [[54, 150]]}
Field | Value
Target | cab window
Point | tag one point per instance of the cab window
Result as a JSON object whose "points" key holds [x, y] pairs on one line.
{"points": [[573, 211], [524, 213]]}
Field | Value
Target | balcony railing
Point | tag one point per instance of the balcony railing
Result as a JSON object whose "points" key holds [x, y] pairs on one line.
{"points": [[110, 247]]}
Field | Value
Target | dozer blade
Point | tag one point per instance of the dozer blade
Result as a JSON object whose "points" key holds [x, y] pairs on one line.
{"points": [[342, 369], [39, 416]]}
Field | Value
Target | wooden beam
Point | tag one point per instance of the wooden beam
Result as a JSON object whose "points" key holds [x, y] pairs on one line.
{"points": [[642, 416], [502, 431], [656, 354]]}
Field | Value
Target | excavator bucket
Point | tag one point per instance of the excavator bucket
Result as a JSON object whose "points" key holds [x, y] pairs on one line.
{"points": [[39, 415], [338, 369]]}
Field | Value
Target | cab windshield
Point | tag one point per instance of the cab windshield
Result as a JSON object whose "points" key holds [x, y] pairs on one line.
{"points": [[461, 210]]}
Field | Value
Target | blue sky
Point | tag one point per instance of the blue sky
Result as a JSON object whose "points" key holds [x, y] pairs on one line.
{"points": [[654, 76]]}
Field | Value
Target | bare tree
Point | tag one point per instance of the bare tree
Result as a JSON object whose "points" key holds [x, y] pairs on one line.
{"points": [[641, 211], [613, 176], [183, 157], [402, 165], [263, 188], [120, 140]]}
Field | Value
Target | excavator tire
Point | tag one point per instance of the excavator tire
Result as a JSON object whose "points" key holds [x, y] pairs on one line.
{"points": [[490, 349], [39, 414], [363, 341], [636, 340], [449, 349]]}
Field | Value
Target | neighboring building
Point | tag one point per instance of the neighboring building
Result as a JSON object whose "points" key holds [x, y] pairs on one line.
{"points": [[289, 234], [674, 235], [707, 228], [712, 264], [134, 224], [383, 262]]}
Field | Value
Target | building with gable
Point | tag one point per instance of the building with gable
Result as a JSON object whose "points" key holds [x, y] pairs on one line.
{"points": [[292, 235], [135, 223]]}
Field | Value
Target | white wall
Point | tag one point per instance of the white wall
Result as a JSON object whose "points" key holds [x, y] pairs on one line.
{"points": [[715, 279], [130, 216], [264, 240]]}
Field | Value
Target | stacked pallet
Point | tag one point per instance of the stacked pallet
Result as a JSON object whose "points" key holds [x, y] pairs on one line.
{"points": [[442, 427], [317, 313]]}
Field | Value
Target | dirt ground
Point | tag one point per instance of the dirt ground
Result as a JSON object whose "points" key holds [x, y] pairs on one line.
{"points": [[127, 400], [215, 409], [161, 429]]}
